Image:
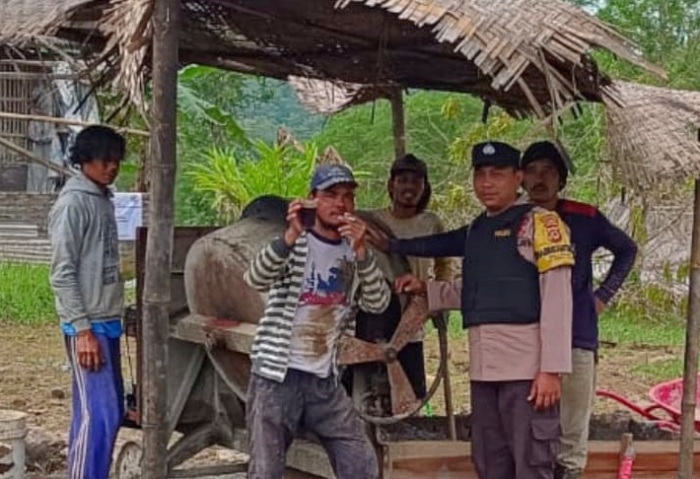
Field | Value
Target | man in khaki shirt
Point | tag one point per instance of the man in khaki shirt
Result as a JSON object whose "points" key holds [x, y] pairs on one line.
{"points": [[408, 217], [515, 298]]}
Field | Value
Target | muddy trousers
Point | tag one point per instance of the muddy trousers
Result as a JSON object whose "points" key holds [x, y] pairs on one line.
{"points": [[510, 439], [98, 411], [277, 412], [577, 396]]}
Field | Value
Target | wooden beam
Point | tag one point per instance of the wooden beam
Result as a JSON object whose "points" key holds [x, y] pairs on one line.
{"points": [[209, 331], [207, 471], [33, 158], [156, 296], [35, 76], [66, 121], [692, 335], [399, 122], [448, 459]]}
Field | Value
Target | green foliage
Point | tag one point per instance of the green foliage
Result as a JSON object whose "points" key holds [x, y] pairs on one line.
{"points": [[234, 179], [363, 137], [197, 109], [207, 102], [25, 294], [263, 114]]}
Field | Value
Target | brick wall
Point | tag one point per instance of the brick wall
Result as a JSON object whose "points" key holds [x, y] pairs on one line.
{"points": [[33, 209], [29, 208]]}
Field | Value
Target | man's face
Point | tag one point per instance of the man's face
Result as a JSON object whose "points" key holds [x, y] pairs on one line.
{"points": [[333, 203], [102, 172], [406, 189], [496, 187], [541, 180]]}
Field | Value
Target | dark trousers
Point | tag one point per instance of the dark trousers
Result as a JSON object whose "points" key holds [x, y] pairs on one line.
{"points": [[276, 412], [510, 439]]}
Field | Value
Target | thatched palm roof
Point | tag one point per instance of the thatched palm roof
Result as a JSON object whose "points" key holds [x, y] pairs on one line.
{"points": [[528, 56], [655, 137]]}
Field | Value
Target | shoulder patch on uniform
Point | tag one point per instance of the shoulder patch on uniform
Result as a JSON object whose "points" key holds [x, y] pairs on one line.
{"points": [[577, 208], [551, 242]]}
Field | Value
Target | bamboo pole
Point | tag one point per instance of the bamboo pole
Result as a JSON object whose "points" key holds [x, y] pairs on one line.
{"points": [[66, 121], [447, 381], [33, 158], [156, 297], [397, 114], [692, 336]]}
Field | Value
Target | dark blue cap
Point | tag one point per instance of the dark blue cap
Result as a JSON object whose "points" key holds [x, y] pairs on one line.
{"points": [[546, 150], [326, 176], [495, 153]]}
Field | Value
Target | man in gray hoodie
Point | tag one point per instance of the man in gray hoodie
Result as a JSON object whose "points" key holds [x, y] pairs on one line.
{"points": [[89, 298]]}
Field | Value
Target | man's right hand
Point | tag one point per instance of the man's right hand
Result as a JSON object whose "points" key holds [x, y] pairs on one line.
{"points": [[294, 228], [409, 284], [89, 354]]}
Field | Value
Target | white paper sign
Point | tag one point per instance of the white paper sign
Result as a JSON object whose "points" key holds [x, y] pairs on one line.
{"points": [[128, 208]]}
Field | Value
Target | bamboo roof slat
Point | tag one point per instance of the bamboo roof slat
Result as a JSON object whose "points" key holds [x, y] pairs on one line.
{"points": [[653, 134], [480, 47]]}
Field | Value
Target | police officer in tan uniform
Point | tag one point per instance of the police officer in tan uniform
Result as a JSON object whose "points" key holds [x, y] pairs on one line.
{"points": [[515, 298]]}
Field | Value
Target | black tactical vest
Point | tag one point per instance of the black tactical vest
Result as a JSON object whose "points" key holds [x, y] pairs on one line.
{"points": [[499, 285]]}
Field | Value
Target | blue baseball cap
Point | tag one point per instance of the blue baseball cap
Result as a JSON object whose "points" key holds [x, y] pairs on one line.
{"points": [[326, 176]]}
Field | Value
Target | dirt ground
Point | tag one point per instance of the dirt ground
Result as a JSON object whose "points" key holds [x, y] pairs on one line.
{"points": [[34, 377], [615, 372]]}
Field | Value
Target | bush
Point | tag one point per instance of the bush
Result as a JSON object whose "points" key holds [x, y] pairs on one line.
{"points": [[25, 294]]}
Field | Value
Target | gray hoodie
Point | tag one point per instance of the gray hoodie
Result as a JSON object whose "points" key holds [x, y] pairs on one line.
{"points": [[85, 263]]}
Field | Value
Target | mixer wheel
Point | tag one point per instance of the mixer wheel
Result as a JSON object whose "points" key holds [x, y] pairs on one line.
{"points": [[128, 463]]}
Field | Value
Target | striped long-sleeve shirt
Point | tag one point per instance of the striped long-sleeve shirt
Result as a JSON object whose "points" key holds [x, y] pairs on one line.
{"points": [[278, 270]]}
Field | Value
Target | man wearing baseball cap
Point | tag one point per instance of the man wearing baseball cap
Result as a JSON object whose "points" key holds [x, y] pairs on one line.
{"points": [[314, 276], [545, 175], [407, 217], [515, 299]]}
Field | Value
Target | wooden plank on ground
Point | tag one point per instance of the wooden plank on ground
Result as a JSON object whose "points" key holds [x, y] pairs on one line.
{"points": [[451, 460]]}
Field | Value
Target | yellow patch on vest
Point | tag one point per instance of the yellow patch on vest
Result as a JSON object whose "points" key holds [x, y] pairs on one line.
{"points": [[552, 242], [502, 233]]}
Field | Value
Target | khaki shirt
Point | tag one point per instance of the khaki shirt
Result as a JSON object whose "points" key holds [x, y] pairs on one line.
{"points": [[512, 352], [423, 224]]}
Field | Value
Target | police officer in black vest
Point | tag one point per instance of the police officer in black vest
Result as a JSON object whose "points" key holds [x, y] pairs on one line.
{"points": [[515, 299]]}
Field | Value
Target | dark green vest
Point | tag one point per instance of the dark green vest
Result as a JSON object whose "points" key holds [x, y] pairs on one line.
{"points": [[499, 285]]}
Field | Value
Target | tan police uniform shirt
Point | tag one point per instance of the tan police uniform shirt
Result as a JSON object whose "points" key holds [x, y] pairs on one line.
{"points": [[512, 352]]}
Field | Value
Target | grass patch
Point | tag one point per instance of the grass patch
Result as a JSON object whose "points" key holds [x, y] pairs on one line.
{"points": [[624, 326], [454, 327], [659, 370], [25, 294]]}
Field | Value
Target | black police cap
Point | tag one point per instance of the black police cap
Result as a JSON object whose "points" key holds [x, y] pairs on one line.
{"points": [[495, 153]]}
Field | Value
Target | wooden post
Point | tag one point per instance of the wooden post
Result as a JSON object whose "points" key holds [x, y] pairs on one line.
{"points": [[156, 296], [399, 122], [690, 374]]}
